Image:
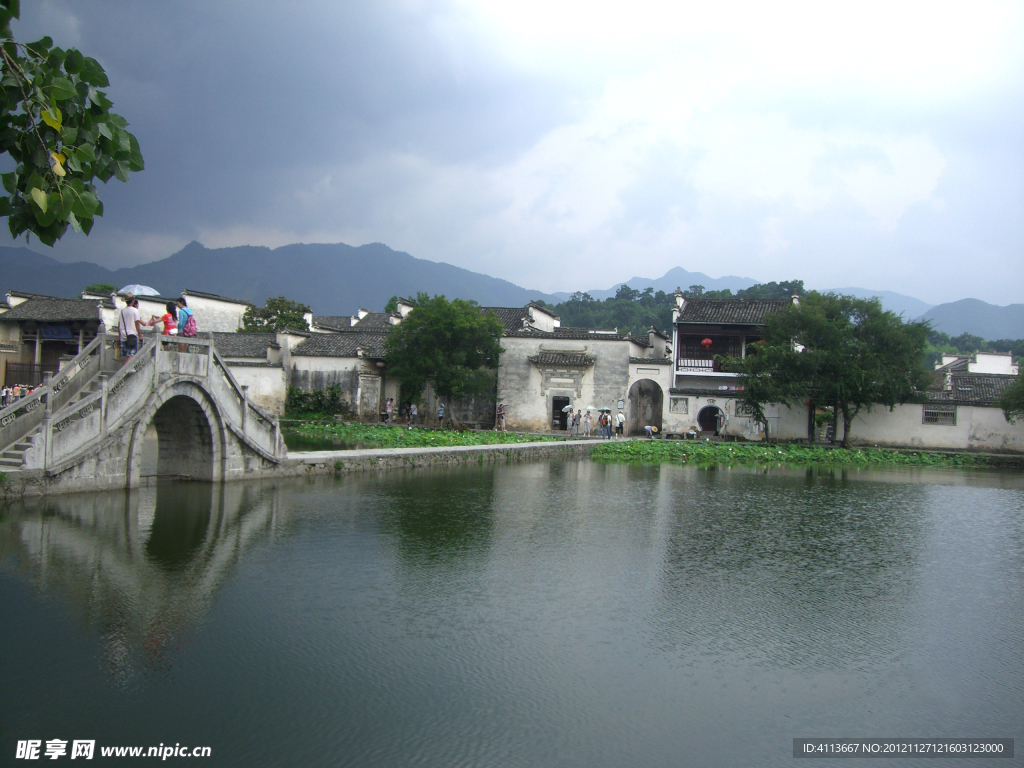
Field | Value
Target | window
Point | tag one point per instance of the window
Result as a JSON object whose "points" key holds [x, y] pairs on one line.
{"points": [[944, 415], [679, 405], [744, 410]]}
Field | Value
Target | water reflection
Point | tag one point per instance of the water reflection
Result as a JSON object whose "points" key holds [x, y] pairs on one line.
{"points": [[143, 567], [549, 613], [437, 516]]}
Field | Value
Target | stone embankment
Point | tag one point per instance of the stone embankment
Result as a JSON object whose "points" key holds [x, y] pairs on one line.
{"points": [[17, 483], [373, 459]]}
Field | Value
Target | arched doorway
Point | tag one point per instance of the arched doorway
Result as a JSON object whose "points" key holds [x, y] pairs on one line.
{"points": [[178, 442], [709, 419], [645, 406]]}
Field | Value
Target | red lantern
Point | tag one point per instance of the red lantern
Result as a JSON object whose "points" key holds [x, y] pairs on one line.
{"points": [[706, 343]]}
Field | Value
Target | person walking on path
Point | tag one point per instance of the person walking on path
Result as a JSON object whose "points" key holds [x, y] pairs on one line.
{"points": [[129, 330], [586, 424], [440, 415], [389, 409], [186, 323], [576, 419], [412, 414], [620, 422], [499, 418]]}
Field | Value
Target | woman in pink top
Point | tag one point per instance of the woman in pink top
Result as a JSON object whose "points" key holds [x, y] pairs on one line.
{"points": [[169, 319]]}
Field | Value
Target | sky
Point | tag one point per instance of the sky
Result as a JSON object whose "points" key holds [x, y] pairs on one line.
{"points": [[569, 145]]}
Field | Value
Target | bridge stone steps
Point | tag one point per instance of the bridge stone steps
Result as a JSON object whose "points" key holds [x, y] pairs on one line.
{"points": [[14, 456]]}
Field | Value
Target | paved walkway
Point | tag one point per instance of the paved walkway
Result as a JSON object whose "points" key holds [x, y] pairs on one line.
{"points": [[460, 451]]}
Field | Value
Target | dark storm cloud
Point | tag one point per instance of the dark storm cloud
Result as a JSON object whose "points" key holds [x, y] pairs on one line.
{"points": [[237, 104]]}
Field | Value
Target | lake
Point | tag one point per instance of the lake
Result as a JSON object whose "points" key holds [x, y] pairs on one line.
{"points": [[562, 613]]}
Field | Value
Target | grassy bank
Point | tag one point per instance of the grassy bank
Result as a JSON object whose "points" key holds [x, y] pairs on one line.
{"points": [[748, 453], [373, 436]]}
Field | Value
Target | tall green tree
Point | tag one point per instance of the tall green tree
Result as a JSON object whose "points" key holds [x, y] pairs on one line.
{"points": [[278, 315], [1012, 400], [57, 126], [835, 350], [449, 345]]}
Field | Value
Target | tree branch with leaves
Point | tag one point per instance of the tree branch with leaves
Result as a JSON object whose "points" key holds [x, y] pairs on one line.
{"points": [[835, 350], [450, 345], [57, 126]]}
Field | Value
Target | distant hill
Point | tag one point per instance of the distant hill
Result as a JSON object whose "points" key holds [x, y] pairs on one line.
{"points": [[333, 279], [908, 306], [978, 318], [677, 277]]}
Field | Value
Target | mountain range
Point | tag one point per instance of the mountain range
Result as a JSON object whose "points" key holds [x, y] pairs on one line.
{"points": [[336, 279]]}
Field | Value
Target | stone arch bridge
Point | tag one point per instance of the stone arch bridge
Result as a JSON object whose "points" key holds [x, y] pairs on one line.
{"points": [[174, 410]]}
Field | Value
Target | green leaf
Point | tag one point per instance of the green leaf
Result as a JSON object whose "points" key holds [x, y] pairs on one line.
{"points": [[121, 170], [104, 130], [86, 153], [6, 209], [93, 73], [55, 59], [9, 182], [62, 88], [41, 46], [135, 159], [73, 62], [39, 197], [74, 222]]}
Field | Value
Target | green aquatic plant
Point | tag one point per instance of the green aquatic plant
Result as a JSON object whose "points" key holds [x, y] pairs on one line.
{"points": [[750, 453], [373, 436]]}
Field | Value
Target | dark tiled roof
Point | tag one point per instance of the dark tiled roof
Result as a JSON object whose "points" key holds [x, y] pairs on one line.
{"points": [[511, 317], [336, 322], [55, 310], [730, 311], [244, 344], [248, 364], [574, 359], [341, 345], [103, 300], [651, 360], [376, 320], [959, 364], [200, 294], [972, 389]]}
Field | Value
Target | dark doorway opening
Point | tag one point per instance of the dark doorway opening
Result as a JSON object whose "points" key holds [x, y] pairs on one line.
{"points": [[709, 419], [645, 406], [559, 419]]}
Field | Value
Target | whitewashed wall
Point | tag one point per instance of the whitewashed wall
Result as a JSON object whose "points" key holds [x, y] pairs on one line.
{"points": [[215, 315], [977, 428], [527, 407], [268, 386]]}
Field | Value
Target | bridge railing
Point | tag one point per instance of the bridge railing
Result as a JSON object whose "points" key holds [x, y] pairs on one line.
{"points": [[86, 422], [261, 430], [21, 417]]}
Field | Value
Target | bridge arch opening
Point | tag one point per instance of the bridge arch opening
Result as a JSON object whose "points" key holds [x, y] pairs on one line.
{"points": [[178, 442]]}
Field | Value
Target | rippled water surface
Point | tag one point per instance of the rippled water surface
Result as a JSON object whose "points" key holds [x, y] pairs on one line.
{"points": [[545, 614]]}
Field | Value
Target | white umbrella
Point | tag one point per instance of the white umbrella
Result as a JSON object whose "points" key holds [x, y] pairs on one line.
{"points": [[139, 290], [567, 409]]}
